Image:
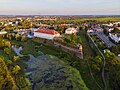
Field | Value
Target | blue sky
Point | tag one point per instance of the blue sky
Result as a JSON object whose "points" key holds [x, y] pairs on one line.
{"points": [[60, 7]]}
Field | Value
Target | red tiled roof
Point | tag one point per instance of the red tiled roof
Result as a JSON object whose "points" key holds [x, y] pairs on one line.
{"points": [[90, 29], [47, 31]]}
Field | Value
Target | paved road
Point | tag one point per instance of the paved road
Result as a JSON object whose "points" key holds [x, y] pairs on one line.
{"points": [[105, 39]]}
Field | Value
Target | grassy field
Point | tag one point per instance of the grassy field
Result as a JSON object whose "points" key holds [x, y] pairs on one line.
{"points": [[100, 19], [104, 19]]}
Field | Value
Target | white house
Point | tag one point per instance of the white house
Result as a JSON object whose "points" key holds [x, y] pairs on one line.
{"points": [[70, 31], [46, 33], [116, 23], [90, 30], [3, 32], [119, 56], [115, 37], [106, 50], [110, 29], [108, 25]]}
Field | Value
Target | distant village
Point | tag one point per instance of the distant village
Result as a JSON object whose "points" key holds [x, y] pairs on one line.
{"points": [[46, 28]]}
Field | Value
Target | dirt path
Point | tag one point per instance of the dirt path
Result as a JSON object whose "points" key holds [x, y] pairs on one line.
{"points": [[76, 51]]}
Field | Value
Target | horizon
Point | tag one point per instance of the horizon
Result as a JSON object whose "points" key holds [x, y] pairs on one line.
{"points": [[59, 7], [55, 15]]}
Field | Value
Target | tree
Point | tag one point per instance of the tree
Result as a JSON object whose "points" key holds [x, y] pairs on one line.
{"points": [[17, 37], [7, 51], [81, 28], [8, 62], [115, 49], [9, 36], [105, 31], [111, 59], [2, 43], [86, 28], [13, 35], [7, 44], [73, 38], [23, 38], [113, 70], [101, 45], [68, 40], [16, 69], [97, 63], [114, 77], [6, 80], [15, 58]]}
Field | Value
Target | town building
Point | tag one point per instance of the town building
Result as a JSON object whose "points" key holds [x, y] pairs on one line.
{"points": [[66, 24], [115, 37], [119, 56], [46, 33], [108, 25], [110, 29], [90, 30], [71, 31], [3, 32]]}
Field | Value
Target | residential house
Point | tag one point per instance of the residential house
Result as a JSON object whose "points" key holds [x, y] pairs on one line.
{"points": [[3, 32], [119, 56], [108, 25], [90, 30], [110, 29], [71, 31], [66, 24], [116, 23], [115, 37]]}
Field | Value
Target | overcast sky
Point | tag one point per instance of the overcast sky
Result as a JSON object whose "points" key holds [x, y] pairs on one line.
{"points": [[60, 7]]}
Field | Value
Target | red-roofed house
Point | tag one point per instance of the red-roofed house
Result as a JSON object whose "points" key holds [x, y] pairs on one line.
{"points": [[46, 33], [90, 30]]}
